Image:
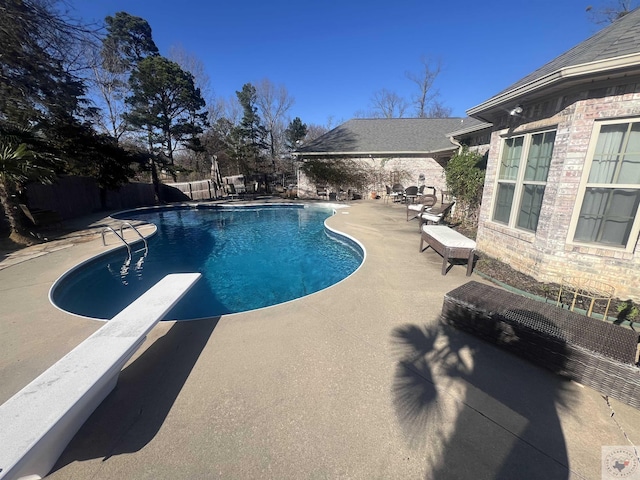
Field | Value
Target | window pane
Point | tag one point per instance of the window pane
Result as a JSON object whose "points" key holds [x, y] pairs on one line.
{"points": [[607, 216], [606, 156], [530, 207], [511, 158], [630, 168], [504, 201], [539, 157]]}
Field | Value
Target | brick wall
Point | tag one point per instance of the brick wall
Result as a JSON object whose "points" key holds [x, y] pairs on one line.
{"points": [[408, 169], [547, 255]]}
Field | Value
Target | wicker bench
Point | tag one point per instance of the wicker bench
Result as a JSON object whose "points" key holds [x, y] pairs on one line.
{"points": [[592, 352], [449, 244]]}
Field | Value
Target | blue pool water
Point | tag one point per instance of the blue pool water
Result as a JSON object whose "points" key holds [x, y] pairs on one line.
{"points": [[250, 257]]}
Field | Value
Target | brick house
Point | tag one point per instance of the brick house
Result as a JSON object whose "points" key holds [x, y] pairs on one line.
{"points": [[410, 151], [562, 184]]}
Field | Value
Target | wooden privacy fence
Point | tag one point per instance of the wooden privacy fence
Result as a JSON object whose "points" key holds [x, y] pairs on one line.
{"points": [[198, 190], [72, 197]]}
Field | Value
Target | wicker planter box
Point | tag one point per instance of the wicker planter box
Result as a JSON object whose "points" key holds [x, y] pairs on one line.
{"points": [[592, 352]]}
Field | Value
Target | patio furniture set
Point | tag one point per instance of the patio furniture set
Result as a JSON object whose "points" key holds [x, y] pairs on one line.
{"points": [[398, 194], [593, 352], [339, 196], [448, 243]]}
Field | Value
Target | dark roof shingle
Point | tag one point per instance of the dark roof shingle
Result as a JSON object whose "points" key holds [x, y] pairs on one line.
{"points": [[387, 135], [620, 38]]}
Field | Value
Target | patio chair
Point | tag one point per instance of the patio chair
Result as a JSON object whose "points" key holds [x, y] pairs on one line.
{"points": [[432, 188], [390, 193], [397, 192], [231, 191], [387, 194], [435, 216], [426, 202], [410, 194], [322, 192], [445, 197]]}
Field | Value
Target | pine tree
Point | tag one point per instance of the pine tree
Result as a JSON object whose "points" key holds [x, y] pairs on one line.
{"points": [[249, 137]]}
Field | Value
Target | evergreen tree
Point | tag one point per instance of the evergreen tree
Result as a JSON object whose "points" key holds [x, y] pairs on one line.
{"points": [[295, 133], [248, 139], [167, 107], [40, 99], [36, 88], [128, 41], [165, 103]]}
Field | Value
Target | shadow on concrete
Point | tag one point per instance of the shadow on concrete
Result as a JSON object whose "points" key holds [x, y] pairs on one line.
{"points": [[133, 413], [476, 410]]}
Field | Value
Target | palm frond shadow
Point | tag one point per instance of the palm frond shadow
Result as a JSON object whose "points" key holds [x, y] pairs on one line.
{"points": [[446, 379]]}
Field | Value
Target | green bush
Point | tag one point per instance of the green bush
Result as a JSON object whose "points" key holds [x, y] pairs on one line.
{"points": [[465, 180], [628, 311]]}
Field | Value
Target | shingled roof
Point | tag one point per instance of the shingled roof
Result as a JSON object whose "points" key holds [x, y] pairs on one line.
{"points": [[613, 50], [386, 136]]}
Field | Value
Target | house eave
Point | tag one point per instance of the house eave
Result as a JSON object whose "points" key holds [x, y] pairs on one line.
{"points": [[473, 129], [595, 70], [407, 153]]}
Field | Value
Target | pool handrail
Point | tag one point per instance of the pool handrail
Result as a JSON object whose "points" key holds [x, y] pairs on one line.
{"points": [[127, 224], [110, 229]]}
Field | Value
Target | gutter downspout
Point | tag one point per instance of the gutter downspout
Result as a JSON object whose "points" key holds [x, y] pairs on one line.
{"points": [[457, 144]]}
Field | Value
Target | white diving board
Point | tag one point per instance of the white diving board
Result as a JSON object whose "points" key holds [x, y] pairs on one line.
{"points": [[38, 422]]}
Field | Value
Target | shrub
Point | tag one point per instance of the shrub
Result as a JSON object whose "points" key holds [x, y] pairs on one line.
{"points": [[465, 180]]}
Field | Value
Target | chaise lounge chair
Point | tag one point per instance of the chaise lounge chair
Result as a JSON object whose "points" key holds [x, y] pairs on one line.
{"points": [[425, 203], [435, 216], [322, 192]]}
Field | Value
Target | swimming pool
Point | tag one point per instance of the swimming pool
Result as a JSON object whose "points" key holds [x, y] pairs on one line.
{"points": [[249, 257]]}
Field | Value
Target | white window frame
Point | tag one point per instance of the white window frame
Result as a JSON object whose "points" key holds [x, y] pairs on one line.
{"points": [[519, 181], [584, 183]]}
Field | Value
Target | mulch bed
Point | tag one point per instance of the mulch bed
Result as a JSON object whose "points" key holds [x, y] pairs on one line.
{"points": [[500, 272]]}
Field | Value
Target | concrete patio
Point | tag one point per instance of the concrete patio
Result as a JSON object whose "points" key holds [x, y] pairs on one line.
{"points": [[358, 381]]}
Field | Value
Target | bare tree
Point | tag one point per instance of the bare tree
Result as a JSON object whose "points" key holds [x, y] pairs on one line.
{"points": [[273, 102], [424, 80], [128, 40], [315, 131], [610, 12], [216, 110], [192, 64], [387, 104], [111, 88], [437, 109], [232, 109]]}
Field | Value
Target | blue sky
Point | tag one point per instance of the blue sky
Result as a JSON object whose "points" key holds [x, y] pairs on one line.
{"points": [[332, 56]]}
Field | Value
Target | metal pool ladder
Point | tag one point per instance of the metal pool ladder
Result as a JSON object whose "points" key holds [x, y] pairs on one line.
{"points": [[121, 237]]}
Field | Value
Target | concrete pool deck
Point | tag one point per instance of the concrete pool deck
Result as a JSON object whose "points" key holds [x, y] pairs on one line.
{"points": [[357, 381]]}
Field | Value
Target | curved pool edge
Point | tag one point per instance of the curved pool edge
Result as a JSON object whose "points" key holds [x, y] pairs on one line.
{"points": [[333, 231], [121, 215], [110, 249]]}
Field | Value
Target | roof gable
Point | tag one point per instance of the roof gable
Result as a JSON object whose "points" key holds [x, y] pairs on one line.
{"points": [[620, 40], [386, 136]]}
